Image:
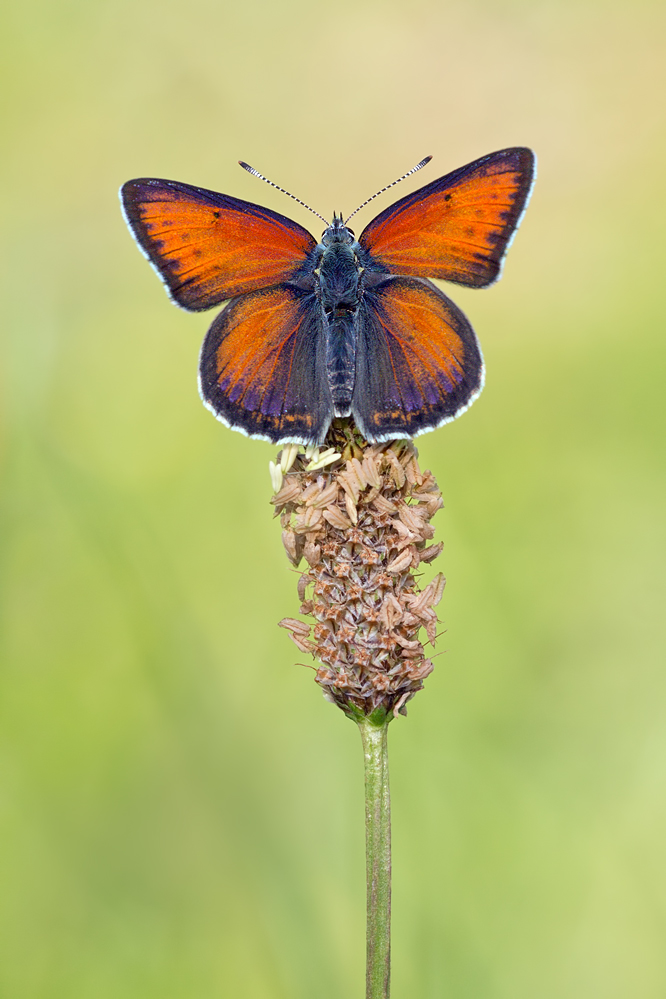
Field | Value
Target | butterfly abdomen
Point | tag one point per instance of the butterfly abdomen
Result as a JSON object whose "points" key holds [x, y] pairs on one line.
{"points": [[341, 358]]}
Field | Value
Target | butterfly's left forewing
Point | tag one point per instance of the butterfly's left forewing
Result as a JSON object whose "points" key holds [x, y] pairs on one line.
{"points": [[208, 247], [418, 362], [457, 228]]}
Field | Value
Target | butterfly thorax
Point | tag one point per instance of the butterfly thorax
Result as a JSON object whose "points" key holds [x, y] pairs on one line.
{"points": [[338, 274], [338, 286]]}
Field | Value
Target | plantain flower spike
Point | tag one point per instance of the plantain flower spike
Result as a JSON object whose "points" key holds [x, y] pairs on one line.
{"points": [[359, 515]]}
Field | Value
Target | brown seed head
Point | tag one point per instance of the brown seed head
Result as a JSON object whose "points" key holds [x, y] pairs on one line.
{"points": [[362, 524]]}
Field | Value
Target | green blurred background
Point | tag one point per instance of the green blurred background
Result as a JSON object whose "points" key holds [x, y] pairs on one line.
{"points": [[181, 812]]}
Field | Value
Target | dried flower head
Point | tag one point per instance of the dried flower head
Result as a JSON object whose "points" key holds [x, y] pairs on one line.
{"points": [[359, 514]]}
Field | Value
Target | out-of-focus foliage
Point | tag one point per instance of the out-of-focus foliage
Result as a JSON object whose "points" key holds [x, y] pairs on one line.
{"points": [[181, 811]]}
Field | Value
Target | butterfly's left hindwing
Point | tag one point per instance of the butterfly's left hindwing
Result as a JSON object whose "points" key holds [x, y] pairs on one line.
{"points": [[418, 362], [263, 368], [208, 247]]}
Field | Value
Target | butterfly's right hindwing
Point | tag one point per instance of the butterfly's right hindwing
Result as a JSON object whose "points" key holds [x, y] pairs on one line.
{"points": [[418, 362]]}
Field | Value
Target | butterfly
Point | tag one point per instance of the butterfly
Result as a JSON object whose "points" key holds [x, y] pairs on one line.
{"points": [[340, 327]]}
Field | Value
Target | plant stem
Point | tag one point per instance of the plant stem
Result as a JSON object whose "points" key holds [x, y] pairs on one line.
{"points": [[378, 856]]}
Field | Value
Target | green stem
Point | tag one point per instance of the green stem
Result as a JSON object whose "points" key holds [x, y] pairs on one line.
{"points": [[378, 857]]}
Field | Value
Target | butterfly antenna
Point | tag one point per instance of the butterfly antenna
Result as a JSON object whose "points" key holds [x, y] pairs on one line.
{"points": [[255, 173], [388, 186]]}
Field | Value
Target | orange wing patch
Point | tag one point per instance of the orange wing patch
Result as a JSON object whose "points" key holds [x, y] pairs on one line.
{"points": [[263, 369], [459, 227], [208, 247], [418, 361]]}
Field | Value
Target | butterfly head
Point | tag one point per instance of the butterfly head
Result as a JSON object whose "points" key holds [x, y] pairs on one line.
{"points": [[337, 232]]}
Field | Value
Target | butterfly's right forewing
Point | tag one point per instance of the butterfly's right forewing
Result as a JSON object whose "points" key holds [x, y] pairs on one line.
{"points": [[458, 227]]}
